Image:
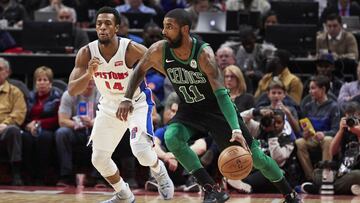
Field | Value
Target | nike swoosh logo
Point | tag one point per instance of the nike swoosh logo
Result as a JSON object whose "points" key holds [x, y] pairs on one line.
{"points": [[168, 61], [136, 100]]}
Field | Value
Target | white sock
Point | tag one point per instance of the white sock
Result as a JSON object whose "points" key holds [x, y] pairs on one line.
{"points": [[121, 185], [157, 167]]}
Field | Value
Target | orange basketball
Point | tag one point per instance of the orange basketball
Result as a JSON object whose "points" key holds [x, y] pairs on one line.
{"points": [[235, 163]]}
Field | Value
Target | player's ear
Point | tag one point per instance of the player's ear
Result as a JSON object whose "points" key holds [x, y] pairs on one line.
{"points": [[117, 27], [185, 29]]}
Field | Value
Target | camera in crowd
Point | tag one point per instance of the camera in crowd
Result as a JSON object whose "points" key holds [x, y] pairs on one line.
{"points": [[351, 121], [351, 159]]}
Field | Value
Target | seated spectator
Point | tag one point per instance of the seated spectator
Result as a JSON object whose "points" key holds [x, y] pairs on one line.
{"points": [[40, 125], [262, 6], [276, 94], [277, 67], [12, 13], [235, 83], [269, 19], [251, 56], [197, 6], [76, 118], [12, 115], [341, 8], [151, 34], [325, 65], [81, 38], [135, 6], [346, 143], [124, 30], [276, 142], [324, 115], [336, 40], [225, 57], [350, 90], [56, 5]]}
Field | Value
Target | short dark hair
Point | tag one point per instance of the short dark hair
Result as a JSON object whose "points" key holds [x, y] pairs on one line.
{"points": [[284, 56], [321, 81], [351, 107], [246, 32], [181, 16], [279, 112], [107, 9], [334, 16], [276, 84]]}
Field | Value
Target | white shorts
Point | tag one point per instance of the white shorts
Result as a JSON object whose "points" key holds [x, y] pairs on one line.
{"points": [[108, 129]]}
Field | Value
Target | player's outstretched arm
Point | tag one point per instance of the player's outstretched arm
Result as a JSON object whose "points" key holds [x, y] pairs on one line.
{"points": [[82, 72], [151, 59], [209, 66]]}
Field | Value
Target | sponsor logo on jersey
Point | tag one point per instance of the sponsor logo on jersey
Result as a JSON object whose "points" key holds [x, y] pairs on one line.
{"points": [[193, 64]]}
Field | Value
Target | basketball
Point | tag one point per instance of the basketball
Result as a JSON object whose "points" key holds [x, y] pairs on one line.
{"points": [[235, 163]]}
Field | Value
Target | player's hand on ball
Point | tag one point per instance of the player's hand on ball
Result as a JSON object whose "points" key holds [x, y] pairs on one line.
{"points": [[93, 65], [124, 109], [238, 136]]}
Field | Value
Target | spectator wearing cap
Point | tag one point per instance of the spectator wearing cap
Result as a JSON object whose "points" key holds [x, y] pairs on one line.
{"points": [[325, 65], [335, 40]]}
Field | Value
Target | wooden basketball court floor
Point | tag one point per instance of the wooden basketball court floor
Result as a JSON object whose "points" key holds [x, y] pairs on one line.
{"points": [[10, 194]]}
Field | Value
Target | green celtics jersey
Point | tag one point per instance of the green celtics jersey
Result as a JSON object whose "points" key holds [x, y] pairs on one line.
{"points": [[189, 82]]}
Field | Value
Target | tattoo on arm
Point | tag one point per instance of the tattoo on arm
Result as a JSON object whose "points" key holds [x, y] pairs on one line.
{"points": [[209, 66]]}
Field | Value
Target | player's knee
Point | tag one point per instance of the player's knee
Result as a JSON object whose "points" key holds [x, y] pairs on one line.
{"points": [[259, 158], [144, 154], [103, 163]]}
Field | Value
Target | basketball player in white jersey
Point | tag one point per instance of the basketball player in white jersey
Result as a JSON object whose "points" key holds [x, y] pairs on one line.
{"points": [[109, 61]]}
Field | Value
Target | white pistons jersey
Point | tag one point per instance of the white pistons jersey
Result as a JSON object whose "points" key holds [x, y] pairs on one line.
{"points": [[112, 77]]}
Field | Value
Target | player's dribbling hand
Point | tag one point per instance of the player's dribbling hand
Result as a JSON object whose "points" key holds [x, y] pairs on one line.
{"points": [[238, 136], [93, 65], [125, 107]]}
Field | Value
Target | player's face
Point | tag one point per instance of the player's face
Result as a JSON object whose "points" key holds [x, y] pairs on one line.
{"points": [[106, 27], [172, 32]]}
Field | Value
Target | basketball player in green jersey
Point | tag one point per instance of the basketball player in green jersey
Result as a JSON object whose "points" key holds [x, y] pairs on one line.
{"points": [[205, 104]]}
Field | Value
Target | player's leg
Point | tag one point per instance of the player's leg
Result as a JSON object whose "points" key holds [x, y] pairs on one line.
{"points": [[265, 164], [177, 136], [141, 132], [106, 135]]}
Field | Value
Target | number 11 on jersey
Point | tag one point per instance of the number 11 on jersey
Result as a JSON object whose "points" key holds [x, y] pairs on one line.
{"points": [[196, 95]]}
